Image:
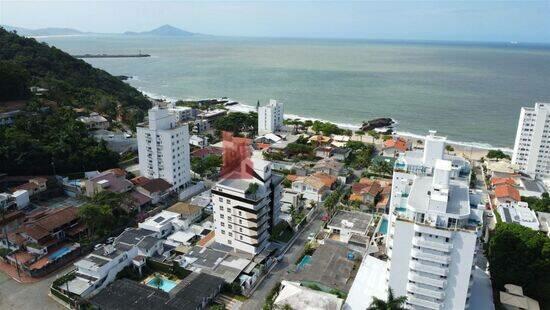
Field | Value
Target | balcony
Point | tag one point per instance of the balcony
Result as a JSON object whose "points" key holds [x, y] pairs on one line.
{"points": [[429, 281], [431, 257], [439, 246], [426, 292], [424, 303], [427, 268]]}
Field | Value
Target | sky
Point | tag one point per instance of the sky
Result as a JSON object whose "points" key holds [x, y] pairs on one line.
{"points": [[522, 21]]}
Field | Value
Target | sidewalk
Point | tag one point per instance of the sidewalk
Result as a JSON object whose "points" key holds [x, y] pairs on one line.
{"points": [[11, 271]]}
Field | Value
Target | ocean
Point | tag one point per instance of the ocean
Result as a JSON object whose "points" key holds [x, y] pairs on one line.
{"points": [[469, 92]]}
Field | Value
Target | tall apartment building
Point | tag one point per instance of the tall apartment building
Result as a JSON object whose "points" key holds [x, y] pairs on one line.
{"points": [[532, 146], [270, 117], [433, 233], [244, 214], [163, 147]]}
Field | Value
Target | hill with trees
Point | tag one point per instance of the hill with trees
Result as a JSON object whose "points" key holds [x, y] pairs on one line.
{"points": [[71, 82]]}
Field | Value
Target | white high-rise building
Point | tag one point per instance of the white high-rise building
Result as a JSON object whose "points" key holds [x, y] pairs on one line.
{"points": [[270, 117], [532, 146], [163, 147], [433, 234], [247, 206]]}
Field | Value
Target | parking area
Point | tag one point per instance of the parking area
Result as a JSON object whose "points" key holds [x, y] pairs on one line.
{"points": [[14, 295]]}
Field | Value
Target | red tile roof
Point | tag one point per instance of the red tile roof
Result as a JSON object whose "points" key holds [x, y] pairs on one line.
{"points": [[499, 181], [507, 191], [140, 180], [156, 185], [400, 144]]}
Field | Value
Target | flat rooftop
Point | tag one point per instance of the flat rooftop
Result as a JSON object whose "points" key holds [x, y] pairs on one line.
{"points": [[458, 202], [329, 266], [352, 220]]}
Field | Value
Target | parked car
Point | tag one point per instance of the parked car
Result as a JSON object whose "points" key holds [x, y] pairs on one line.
{"points": [[97, 246], [311, 236], [110, 240]]}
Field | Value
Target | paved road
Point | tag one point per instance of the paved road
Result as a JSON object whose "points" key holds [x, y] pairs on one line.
{"points": [[258, 298], [33, 296]]}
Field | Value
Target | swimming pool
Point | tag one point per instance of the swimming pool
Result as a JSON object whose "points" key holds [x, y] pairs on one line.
{"points": [[59, 253], [305, 260], [383, 226], [167, 285]]}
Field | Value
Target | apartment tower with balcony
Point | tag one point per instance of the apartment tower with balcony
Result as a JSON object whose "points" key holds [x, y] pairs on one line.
{"points": [[532, 145], [247, 206], [270, 117], [432, 235], [163, 147]]}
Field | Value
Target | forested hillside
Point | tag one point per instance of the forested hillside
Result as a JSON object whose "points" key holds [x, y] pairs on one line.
{"points": [[70, 81]]}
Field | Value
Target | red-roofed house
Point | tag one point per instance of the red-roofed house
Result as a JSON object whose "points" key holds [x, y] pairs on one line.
{"points": [[156, 189], [33, 186], [109, 180], [506, 193], [395, 146], [502, 181]]}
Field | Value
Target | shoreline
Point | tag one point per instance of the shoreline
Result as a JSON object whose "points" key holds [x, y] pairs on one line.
{"points": [[475, 148]]}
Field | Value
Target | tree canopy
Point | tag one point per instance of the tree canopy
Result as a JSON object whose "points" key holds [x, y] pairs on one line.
{"points": [[326, 128], [541, 204], [497, 154], [44, 140], [14, 81], [70, 81], [237, 122], [521, 256]]}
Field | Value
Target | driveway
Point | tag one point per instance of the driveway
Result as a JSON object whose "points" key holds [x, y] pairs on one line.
{"points": [[14, 295], [279, 271]]}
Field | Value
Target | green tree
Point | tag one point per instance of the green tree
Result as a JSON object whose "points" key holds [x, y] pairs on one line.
{"points": [[449, 148], [497, 154], [520, 256], [541, 204], [374, 135], [98, 218], [391, 304], [14, 81], [360, 133]]}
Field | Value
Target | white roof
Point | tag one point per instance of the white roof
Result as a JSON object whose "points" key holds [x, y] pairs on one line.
{"points": [[370, 282], [182, 236], [300, 297], [445, 165], [519, 213], [271, 136]]}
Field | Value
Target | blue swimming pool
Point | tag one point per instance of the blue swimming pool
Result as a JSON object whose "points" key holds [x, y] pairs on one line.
{"points": [[167, 285], [59, 253], [384, 226], [305, 260]]}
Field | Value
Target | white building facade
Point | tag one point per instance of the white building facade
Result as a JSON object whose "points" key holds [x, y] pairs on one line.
{"points": [[243, 219], [270, 117], [532, 145], [163, 146], [432, 232]]}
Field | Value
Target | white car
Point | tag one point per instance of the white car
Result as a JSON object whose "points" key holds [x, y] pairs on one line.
{"points": [[311, 236]]}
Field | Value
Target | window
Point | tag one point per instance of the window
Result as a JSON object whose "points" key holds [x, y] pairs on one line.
{"points": [[221, 216], [221, 208], [223, 232], [220, 199]]}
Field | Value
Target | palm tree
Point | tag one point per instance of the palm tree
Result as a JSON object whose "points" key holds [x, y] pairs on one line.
{"points": [[157, 281], [392, 303], [360, 133]]}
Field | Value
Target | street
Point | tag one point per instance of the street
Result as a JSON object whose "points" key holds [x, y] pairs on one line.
{"points": [[14, 295], [258, 298]]}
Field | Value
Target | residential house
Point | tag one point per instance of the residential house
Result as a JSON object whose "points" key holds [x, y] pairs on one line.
{"points": [[513, 299], [320, 140], [206, 151], [296, 296], [329, 166], [94, 121], [346, 224], [366, 191], [395, 146], [197, 291], [33, 186], [147, 241], [340, 153], [189, 213], [156, 189], [161, 223], [17, 200], [113, 180], [198, 141], [506, 193], [519, 213], [323, 152], [314, 187], [340, 140]]}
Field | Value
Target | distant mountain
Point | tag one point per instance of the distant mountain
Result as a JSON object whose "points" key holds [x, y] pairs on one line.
{"points": [[165, 30], [42, 31]]}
